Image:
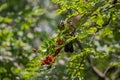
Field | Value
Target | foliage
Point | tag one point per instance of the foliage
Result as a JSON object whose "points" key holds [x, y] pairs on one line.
{"points": [[95, 40], [19, 20]]}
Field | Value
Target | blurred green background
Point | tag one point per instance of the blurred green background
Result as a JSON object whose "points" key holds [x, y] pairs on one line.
{"points": [[24, 24]]}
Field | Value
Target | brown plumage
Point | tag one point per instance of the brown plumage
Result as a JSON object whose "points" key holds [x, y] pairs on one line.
{"points": [[67, 28]]}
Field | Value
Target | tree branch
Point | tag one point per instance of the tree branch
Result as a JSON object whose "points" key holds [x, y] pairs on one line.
{"points": [[108, 69], [95, 70]]}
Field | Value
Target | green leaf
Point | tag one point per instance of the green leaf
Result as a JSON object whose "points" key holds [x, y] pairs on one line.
{"points": [[1, 19], [7, 20], [99, 20], [3, 6], [97, 5], [91, 30]]}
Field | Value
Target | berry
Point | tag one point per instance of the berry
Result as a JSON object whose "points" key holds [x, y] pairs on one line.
{"points": [[60, 41], [48, 60], [50, 57]]}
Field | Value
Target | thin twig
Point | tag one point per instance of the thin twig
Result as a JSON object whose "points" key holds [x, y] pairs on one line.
{"points": [[108, 69]]}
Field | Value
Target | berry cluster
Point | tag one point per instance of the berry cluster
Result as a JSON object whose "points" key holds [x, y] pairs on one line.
{"points": [[48, 60], [51, 58], [59, 41]]}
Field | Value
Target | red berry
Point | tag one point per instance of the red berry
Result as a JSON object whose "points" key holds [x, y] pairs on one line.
{"points": [[50, 57], [48, 60]]}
